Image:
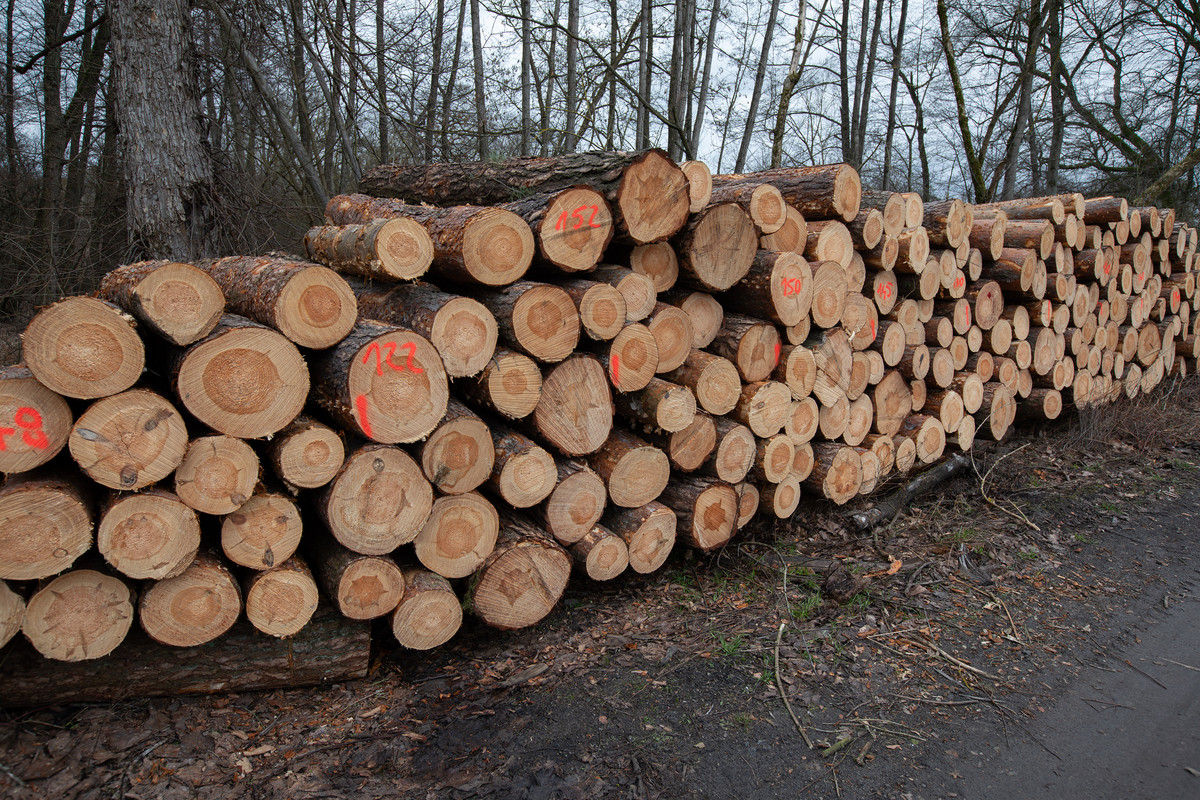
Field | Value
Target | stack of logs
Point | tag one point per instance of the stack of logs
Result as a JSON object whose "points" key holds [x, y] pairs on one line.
{"points": [[456, 398]]}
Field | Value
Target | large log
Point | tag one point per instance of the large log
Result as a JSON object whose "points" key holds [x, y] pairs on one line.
{"points": [[79, 616], [510, 384], [458, 456], [192, 608], [264, 532], [309, 304], [537, 319], [148, 535], [648, 531], [716, 247], [397, 249], [481, 246], [281, 600], [818, 192], [751, 344], [522, 579], [35, 422], [762, 203], [180, 303], [650, 195], [572, 226], [459, 534], [84, 348], [575, 410], [129, 440], [217, 474], [428, 614], [778, 287]]}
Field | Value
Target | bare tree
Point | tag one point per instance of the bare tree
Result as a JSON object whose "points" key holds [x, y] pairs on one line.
{"points": [[759, 77]]}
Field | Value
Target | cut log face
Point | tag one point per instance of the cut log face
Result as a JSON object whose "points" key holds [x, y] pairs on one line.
{"points": [[510, 384], [536, 318], [35, 422], [84, 348], [129, 440], [523, 474], [459, 534], [717, 247], [243, 380], [429, 614], [177, 301], [575, 412], [649, 534], [458, 456], [705, 313], [658, 263], [306, 454], [779, 287], [699, 184], [193, 608], [600, 554], [735, 451], [217, 474], [79, 616], [379, 500], [672, 332], [707, 511], [362, 587], [632, 358], [12, 613], [389, 249], [798, 369], [791, 237], [782, 498], [576, 503], [634, 471], [764, 407], [837, 472], [263, 533], [601, 308], [748, 502], [573, 226], [45, 524], [689, 448], [280, 601], [752, 345], [150, 535], [829, 293], [804, 420], [660, 406], [523, 578]]}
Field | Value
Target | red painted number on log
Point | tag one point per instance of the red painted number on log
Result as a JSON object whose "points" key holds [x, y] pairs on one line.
{"points": [[577, 215], [380, 359], [360, 405], [778, 348], [884, 291], [792, 286], [872, 324], [616, 369], [30, 422], [959, 282]]}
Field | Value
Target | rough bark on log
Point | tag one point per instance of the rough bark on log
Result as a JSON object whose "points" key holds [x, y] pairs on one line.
{"points": [[662, 405], [537, 319], [12, 613], [601, 307], [396, 249], [751, 344], [572, 226], [818, 192], [762, 203], [180, 303]]}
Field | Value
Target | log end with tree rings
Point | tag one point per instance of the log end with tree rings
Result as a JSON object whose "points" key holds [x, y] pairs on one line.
{"points": [[511, 384], [767, 210], [79, 616], [403, 248], [829, 293], [379, 500], [706, 315], [791, 237], [149, 535], [648, 531], [178, 301], [316, 308], [634, 471], [672, 331], [429, 614], [575, 411], [735, 453], [458, 456], [280, 601], [459, 534], [83, 348], [840, 475], [764, 407], [129, 440], [523, 579], [263, 533], [217, 474], [748, 502], [362, 587], [192, 608], [306, 454], [35, 422], [396, 249], [243, 380], [689, 448], [718, 248], [601, 311], [545, 323], [653, 198], [12, 613], [464, 333], [708, 512], [847, 192], [657, 262], [398, 386], [524, 473], [575, 230], [804, 420], [782, 498], [600, 554], [45, 525], [576, 503], [497, 246], [632, 358], [797, 368], [700, 184], [758, 350], [791, 284]]}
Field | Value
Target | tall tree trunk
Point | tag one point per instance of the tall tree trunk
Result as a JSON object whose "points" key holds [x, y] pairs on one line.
{"points": [[706, 74], [10, 103], [572, 123], [526, 75], [645, 62], [551, 75], [435, 78], [975, 164], [448, 94], [919, 124], [54, 140], [759, 77], [860, 133], [385, 154], [1057, 110], [481, 136], [845, 127], [614, 35], [1024, 99], [299, 64], [897, 54], [168, 173]]}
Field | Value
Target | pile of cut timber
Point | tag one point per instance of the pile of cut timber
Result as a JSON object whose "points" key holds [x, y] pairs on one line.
{"points": [[482, 378]]}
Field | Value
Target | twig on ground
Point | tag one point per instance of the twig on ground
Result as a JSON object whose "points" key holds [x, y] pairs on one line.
{"points": [[783, 694], [1017, 515], [1007, 613]]}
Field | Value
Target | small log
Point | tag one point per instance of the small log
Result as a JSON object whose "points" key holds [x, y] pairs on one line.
{"points": [[927, 434], [243, 379], [523, 578], [194, 607], [217, 474], [734, 453], [804, 420], [395, 249], [537, 319], [906, 454], [834, 418], [80, 616], [773, 459], [84, 348], [280, 601], [306, 454], [575, 505], [510, 384], [45, 524], [575, 410], [523, 473], [12, 613], [752, 345], [860, 321], [947, 405], [859, 420], [828, 294], [180, 303], [263, 532], [662, 405], [689, 448], [713, 379], [836, 472], [867, 228], [35, 422], [704, 311], [378, 501], [791, 237], [648, 532], [460, 533], [429, 613], [699, 184], [634, 471], [748, 503], [129, 440], [458, 456], [782, 498], [601, 554], [1101, 210], [672, 331], [890, 204], [148, 535], [716, 247], [632, 358], [763, 407], [657, 262], [601, 307], [762, 203], [706, 510], [638, 290], [890, 506], [360, 586]]}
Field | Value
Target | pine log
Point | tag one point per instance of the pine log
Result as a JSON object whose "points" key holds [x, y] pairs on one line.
{"points": [[572, 226], [946, 223], [689, 448], [648, 532], [463, 330], [650, 195], [383, 382], [474, 245], [263, 532], [658, 263], [662, 405], [763, 204], [890, 204], [217, 474], [84, 348], [177, 301], [752, 345], [129, 440], [634, 471], [601, 307], [870, 472], [1042, 404], [783, 498], [802, 460], [510, 384], [601, 554], [927, 434], [713, 379], [575, 410], [1053, 209], [818, 192], [458, 456], [734, 452], [828, 293], [885, 289], [763, 407], [867, 229], [429, 613], [998, 411], [772, 459], [803, 421], [797, 368], [632, 358], [378, 501], [829, 240], [884, 448], [637, 289], [778, 287], [523, 473], [1100, 210], [860, 321], [79, 616], [704, 311], [706, 510], [35, 422], [396, 249], [834, 417], [716, 247], [537, 319], [194, 607], [45, 524], [672, 331], [360, 586], [306, 454], [884, 255], [522, 579], [148, 535], [243, 379], [699, 184], [575, 505], [792, 236], [836, 473], [12, 613], [281, 600], [947, 406], [460, 533], [748, 503], [913, 253]]}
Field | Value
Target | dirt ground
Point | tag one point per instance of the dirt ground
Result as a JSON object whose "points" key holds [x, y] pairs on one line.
{"points": [[803, 660]]}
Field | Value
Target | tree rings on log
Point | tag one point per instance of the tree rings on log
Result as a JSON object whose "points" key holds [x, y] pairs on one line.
{"points": [[362, 587], [263, 532], [699, 184], [763, 407], [429, 613], [707, 510], [510, 384], [148, 535], [639, 290], [243, 379], [781, 498], [522, 579], [573, 226], [129, 440], [280, 601], [735, 451], [748, 503], [379, 500], [458, 456], [791, 237], [217, 474], [704, 312], [35, 422], [717, 247], [575, 411], [648, 531], [306, 454], [12, 613], [192, 608], [84, 348], [396, 249], [600, 554], [576, 503], [459, 534], [79, 616], [658, 262], [632, 358], [713, 379], [601, 307], [634, 471], [660, 406], [672, 331], [45, 524], [180, 303], [523, 473]]}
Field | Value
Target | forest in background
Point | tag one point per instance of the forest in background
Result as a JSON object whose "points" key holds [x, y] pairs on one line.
{"points": [[288, 103]]}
